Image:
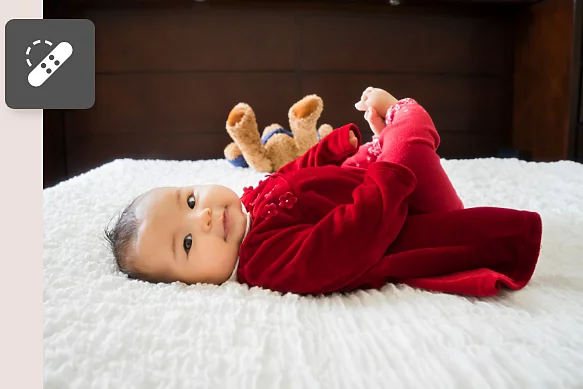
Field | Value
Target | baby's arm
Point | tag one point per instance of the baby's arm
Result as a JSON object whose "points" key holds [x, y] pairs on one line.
{"points": [[333, 149], [352, 238]]}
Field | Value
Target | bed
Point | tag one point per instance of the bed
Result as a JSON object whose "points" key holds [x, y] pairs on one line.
{"points": [[102, 330]]}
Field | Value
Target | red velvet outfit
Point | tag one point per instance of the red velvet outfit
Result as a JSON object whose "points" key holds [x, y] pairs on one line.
{"points": [[341, 218]]}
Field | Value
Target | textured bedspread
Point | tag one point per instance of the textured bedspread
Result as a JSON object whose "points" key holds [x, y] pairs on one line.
{"points": [[104, 331]]}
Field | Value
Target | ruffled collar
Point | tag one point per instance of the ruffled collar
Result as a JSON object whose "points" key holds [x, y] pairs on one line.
{"points": [[233, 276]]}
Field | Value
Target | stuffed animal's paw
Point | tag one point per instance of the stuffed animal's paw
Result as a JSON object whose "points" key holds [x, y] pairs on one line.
{"points": [[309, 107], [241, 121], [303, 117], [242, 127], [325, 130], [232, 151]]}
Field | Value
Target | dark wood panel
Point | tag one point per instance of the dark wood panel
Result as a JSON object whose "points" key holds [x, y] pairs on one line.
{"points": [[456, 103], [580, 94], [88, 152], [412, 43], [54, 152], [170, 73], [181, 102], [155, 40], [575, 150], [458, 145], [344, 5], [579, 144], [543, 80]]}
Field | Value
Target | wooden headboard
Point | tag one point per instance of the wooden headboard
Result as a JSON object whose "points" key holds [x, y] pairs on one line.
{"points": [[168, 73]]}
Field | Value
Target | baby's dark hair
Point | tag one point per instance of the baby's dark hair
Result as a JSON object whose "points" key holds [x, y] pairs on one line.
{"points": [[121, 234]]}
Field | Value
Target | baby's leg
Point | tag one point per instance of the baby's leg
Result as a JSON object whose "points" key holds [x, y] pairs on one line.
{"points": [[365, 156], [410, 139]]}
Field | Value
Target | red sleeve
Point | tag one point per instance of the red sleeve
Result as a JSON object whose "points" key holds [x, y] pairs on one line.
{"points": [[333, 149], [345, 244]]}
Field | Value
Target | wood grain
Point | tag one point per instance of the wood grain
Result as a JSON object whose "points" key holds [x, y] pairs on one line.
{"points": [[411, 43], [456, 103], [196, 64], [193, 103], [54, 152], [581, 98], [575, 149], [543, 80], [456, 145], [346, 5], [168, 72], [169, 40], [90, 151]]}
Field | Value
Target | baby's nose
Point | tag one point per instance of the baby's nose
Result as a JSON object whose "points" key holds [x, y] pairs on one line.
{"points": [[205, 219]]}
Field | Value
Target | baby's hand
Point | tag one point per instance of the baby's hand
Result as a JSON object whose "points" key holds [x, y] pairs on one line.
{"points": [[353, 139], [375, 121]]}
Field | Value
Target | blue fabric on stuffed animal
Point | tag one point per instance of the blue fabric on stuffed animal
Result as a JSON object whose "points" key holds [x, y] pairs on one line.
{"points": [[280, 131], [276, 131], [240, 160]]}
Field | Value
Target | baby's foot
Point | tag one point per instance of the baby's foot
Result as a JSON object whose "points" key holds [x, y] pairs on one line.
{"points": [[375, 121], [376, 98]]}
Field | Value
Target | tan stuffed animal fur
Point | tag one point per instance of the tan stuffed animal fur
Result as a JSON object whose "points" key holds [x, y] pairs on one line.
{"points": [[248, 149]]}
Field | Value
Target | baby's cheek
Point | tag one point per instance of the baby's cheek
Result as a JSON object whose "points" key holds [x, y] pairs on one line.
{"points": [[217, 260]]}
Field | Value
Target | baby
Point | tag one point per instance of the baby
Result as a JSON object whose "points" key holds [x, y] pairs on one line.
{"points": [[343, 216]]}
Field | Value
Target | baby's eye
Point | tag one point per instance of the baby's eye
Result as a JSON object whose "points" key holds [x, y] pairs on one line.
{"points": [[187, 243], [190, 201]]}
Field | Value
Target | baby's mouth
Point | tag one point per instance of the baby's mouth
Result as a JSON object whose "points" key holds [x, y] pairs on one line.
{"points": [[225, 224]]}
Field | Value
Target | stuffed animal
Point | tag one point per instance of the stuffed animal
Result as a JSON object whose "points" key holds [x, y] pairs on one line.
{"points": [[277, 146]]}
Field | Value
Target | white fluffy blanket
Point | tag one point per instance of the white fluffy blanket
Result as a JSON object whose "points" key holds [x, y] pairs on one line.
{"points": [[103, 331]]}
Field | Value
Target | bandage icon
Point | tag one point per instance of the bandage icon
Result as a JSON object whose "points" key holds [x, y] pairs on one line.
{"points": [[50, 64]]}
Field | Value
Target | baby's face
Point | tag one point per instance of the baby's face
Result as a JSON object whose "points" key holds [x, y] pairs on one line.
{"points": [[190, 234]]}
